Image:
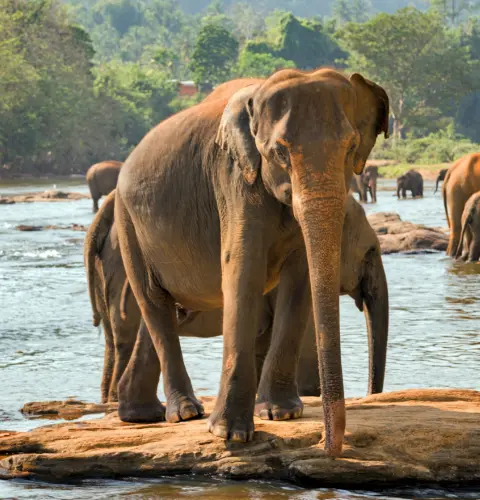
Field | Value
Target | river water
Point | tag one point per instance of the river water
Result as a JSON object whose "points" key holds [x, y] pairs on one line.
{"points": [[50, 350]]}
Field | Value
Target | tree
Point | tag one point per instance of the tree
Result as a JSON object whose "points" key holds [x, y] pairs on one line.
{"points": [[421, 63], [453, 11], [215, 53], [260, 65], [345, 11]]}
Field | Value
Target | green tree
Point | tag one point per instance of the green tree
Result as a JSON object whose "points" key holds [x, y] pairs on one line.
{"points": [[453, 11], [422, 65], [345, 11], [260, 65], [215, 54]]}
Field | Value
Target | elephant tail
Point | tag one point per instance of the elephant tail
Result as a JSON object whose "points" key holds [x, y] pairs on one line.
{"points": [[94, 241], [444, 192], [126, 291], [460, 241]]}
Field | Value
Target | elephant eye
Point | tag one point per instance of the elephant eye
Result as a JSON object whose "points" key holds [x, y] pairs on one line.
{"points": [[282, 154], [351, 149]]}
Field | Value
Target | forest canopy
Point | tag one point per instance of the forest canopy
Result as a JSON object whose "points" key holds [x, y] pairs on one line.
{"points": [[84, 80]]}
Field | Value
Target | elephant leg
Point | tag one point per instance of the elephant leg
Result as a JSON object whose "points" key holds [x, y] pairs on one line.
{"points": [[137, 388], [278, 397], [308, 377], [404, 193], [261, 349], [124, 340], [243, 280], [108, 361], [95, 205], [456, 203]]}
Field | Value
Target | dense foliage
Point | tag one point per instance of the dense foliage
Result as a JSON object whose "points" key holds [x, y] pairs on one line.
{"points": [[84, 80]]}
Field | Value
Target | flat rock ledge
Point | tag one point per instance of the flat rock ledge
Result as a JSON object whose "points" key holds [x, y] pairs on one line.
{"points": [[409, 438], [42, 196], [70, 227], [397, 236]]}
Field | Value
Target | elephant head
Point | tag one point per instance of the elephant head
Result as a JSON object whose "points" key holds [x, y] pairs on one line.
{"points": [[469, 246], [401, 185], [370, 176], [440, 177], [303, 135]]}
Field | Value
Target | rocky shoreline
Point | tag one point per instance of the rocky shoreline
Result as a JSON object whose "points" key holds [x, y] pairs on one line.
{"points": [[409, 438], [45, 196]]}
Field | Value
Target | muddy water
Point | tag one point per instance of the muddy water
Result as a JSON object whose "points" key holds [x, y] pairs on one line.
{"points": [[49, 349]]}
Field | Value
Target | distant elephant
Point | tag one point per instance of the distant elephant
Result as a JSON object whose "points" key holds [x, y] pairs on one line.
{"points": [[362, 277], [462, 180], [469, 246], [441, 177], [102, 179], [410, 181], [224, 201], [366, 183]]}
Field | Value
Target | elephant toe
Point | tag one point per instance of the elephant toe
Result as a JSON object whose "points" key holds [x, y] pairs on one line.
{"points": [[287, 410], [238, 431], [184, 408], [141, 412]]}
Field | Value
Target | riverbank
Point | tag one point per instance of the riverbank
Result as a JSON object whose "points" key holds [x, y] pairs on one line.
{"points": [[395, 170], [414, 437]]}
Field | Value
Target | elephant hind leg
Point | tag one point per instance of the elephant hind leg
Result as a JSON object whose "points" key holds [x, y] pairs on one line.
{"points": [[108, 361], [456, 203]]}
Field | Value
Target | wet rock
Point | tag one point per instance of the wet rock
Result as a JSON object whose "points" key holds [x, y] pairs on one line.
{"points": [[414, 437], [69, 409], [71, 227], [44, 196], [396, 235]]}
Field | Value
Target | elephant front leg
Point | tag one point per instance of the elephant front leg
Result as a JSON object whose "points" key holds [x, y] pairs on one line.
{"points": [[278, 397], [243, 281]]}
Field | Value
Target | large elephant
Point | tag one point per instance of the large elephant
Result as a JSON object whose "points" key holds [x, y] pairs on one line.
{"points": [[469, 246], [410, 181], [366, 183], [440, 177], [221, 203], [462, 180], [362, 277], [102, 179]]}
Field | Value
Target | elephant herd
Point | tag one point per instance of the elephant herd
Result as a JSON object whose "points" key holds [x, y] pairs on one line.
{"points": [[233, 218]]}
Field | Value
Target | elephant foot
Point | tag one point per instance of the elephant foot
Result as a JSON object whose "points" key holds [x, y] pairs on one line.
{"points": [[236, 428], [279, 409], [182, 408], [141, 412]]}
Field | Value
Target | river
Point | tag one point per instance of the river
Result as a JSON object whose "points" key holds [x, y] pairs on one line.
{"points": [[50, 350]]}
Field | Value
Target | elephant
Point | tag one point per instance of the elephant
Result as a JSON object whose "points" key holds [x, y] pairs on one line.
{"points": [[411, 181], [362, 277], [440, 177], [469, 246], [366, 183], [102, 179], [218, 205], [462, 180]]}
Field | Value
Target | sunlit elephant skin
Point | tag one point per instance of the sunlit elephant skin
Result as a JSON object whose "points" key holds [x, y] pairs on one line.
{"points": [[469, 246], [102, 179], [462, 180], [410, 181], [259, 184], [362, 277], [440, 177]]}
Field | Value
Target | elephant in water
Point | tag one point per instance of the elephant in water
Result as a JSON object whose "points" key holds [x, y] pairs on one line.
{"points": [[366, 183], [469, 246], [410, 181], [362, 277], [440, 177], [221, 203], [102, 179], [462, 180]]}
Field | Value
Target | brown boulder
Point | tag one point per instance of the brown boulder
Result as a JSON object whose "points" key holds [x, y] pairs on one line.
{"points": [[411, 437], [71, 227], [396, 235]]}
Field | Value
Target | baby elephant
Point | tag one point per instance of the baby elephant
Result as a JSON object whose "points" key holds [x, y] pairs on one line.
{"points": [[102, 179], [469, 246], [410, 181], [362, 277]]}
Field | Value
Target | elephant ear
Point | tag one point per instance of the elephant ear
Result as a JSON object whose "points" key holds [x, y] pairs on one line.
{"points": [[372, 113], [235, 133]]}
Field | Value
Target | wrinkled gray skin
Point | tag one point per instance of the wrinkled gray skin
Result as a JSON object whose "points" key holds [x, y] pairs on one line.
{"points": [[102, 179], [469, 247], [362, 277], [224, 201], [410, 181], [441, 177], [366, 183]]}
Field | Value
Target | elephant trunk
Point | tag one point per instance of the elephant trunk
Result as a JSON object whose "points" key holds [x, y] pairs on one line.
{"points": [[319, 206], [436, 185], [376, 310]]}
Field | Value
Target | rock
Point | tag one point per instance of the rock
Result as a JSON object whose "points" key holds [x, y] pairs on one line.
{"points": [[70, 409], [43, 196], [396, 235], [71, 227], [413, 437]]}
